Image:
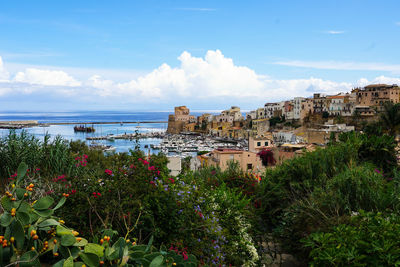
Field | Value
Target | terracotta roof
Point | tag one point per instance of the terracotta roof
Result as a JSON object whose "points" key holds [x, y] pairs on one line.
{"points": [[377, 85], [336, 97]]}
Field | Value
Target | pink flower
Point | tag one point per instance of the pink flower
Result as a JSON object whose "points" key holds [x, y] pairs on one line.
{"points": [[96, 194], [109, 172], [85, 156], [152, 182], [145, 162], [171, 180], [185, 257]]}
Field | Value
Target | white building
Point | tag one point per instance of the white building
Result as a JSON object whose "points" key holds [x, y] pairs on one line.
{"points": [[230, 115], [174, 165], [297, 106]]}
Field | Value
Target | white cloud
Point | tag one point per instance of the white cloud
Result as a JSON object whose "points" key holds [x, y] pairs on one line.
{"points": [[334, 32], [339, 65], [398, 23], [213, 76], [379, 79], [213, 79], [46, 77], [4, 75]]}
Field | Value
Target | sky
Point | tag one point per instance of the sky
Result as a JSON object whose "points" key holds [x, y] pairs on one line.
{"points": [[208, 55]]}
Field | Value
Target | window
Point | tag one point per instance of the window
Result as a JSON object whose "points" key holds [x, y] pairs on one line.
{"points": [[266, 143], [249, 166], [258, 143], [231, 156]]}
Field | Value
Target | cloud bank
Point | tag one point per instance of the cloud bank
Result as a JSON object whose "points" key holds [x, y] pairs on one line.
{"points": [[214, 80]]}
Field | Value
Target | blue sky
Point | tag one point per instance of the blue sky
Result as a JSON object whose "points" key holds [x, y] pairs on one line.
{"points": [[147, 55]]}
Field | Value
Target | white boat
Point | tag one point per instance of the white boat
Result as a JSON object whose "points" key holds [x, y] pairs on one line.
{"points": [[109, 149]]}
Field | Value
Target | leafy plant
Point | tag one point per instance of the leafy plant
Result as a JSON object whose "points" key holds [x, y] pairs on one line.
{"points": [[371, 239], [31, 234]]}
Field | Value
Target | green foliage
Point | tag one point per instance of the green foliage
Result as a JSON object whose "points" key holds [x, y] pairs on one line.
{"points": [[53, 157], [370, 239], [390, 117], [221, 217], [321, 189], [377, 149], [30, 234], [275, 120]]}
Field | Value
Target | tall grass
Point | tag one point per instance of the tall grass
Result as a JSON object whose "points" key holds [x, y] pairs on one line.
{"points": [[52, 157]]}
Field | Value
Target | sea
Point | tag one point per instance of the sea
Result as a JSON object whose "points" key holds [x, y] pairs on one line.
{"points": [[67, 131]]}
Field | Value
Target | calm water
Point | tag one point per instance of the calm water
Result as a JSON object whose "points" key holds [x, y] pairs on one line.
{"points": [[67, 131]]}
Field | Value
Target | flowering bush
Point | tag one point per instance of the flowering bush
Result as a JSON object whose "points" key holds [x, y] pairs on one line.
{"points": [[30, 233], [135, 195], [267, 157]]}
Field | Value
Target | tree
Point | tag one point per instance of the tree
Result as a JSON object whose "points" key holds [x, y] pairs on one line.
{"points": [[390, 117]]}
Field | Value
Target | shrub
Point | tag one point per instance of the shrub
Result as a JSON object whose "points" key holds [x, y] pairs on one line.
{"points": [[31, 235], [370, 239], [359, 187]]}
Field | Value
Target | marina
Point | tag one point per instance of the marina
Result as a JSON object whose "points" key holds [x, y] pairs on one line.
{"points": [[186, 145]]}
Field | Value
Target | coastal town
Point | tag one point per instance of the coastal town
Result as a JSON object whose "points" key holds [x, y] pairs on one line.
{"points": [[259, 139], [284, 129]]}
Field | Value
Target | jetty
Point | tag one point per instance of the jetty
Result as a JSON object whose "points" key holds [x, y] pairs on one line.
{"points": [[18, 124]]}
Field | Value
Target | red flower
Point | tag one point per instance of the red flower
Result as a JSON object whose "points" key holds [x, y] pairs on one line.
{"points": [[109, 172], [171, 180]]}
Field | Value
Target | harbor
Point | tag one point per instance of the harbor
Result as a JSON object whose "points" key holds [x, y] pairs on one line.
{"points": [[184, 145]]}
